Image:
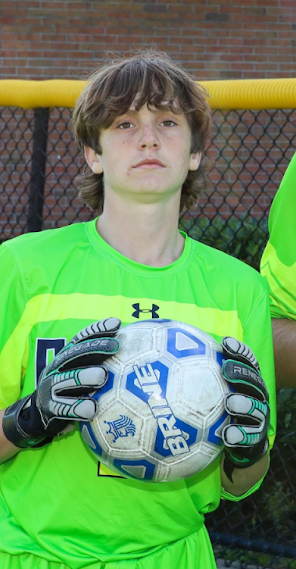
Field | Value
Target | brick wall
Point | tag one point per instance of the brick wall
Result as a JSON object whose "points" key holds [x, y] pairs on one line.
{"points": [[214, 39]]}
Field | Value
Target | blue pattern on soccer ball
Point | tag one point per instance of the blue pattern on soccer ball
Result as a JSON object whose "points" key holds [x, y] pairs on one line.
{"points": [[220, 358], [134, 379], [144, 468], [199, 348], [213, 437], [181, 437], [121, 427]]}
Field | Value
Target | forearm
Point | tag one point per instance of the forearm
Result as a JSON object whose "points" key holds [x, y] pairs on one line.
{"points": [[7, 449], [284, 342], [244, 478]]}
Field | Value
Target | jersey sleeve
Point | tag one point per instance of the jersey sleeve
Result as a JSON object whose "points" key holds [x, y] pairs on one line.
{"points": [[13, 329], [278, 262], [257, 334]]}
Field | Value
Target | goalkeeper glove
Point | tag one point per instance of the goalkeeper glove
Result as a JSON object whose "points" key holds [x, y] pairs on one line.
{"points": [[245, 439], [60, 395]]}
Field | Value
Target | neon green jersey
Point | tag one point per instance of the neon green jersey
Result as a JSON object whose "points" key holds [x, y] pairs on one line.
{"points": [[278, 262], [56, 502]]}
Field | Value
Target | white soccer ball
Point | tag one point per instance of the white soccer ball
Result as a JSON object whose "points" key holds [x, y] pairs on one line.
{"points": [[161, 413]]}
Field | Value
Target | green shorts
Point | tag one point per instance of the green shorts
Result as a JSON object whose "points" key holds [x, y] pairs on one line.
{"points": [[192, 552]]}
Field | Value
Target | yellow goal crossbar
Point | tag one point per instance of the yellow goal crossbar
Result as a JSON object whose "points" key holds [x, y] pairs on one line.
{"points": [[240, 94]]}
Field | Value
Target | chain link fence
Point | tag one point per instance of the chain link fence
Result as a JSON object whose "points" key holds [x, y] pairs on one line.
{"points": [[251, 151]]}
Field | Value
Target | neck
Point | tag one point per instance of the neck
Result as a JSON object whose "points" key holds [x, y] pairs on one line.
{"points": [[145, 233]]}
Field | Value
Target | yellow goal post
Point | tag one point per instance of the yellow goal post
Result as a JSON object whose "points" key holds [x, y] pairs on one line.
{"points": [[238, 94]]}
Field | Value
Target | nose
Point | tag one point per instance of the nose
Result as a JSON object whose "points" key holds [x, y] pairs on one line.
{"points": [[149, 138]]}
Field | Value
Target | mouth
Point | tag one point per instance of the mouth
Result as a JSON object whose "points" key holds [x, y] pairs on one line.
{"points": [[149, 163]]}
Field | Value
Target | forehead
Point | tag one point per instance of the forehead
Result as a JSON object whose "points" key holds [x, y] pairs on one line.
{"points": [[163, 107]]}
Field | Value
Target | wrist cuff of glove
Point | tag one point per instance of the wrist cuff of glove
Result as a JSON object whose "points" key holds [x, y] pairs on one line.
{"points": [[22, 424], [233, 460]]}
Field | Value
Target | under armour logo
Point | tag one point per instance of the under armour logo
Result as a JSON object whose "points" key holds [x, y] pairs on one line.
{"points": [[137, 308]]}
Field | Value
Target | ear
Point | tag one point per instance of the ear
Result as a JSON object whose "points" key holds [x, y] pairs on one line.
{"points": [[94, 160], [194, 161]]}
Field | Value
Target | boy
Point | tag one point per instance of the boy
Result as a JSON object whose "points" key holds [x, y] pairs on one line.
{"points": [[143, 124]]}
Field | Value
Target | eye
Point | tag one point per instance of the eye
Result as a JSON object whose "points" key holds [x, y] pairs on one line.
{"points": [[125, 125], [169, 123]]}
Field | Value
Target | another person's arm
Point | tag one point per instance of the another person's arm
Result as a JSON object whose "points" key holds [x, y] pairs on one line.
{"points": [[284, 345], [278, 266]]}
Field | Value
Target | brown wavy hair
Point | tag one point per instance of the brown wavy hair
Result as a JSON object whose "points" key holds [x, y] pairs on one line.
{"points": [[155, 78]]}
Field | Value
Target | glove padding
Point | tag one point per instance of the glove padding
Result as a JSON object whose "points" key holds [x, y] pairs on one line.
{"points": [[63, 385], [245, 439]]}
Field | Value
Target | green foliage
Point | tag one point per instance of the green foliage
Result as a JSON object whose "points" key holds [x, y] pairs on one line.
{"points": [[238, 559], [243, 237], [279, 504], [286, 412]]}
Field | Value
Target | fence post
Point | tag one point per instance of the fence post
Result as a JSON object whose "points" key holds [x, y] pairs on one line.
{"points": [[36, 196]]}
